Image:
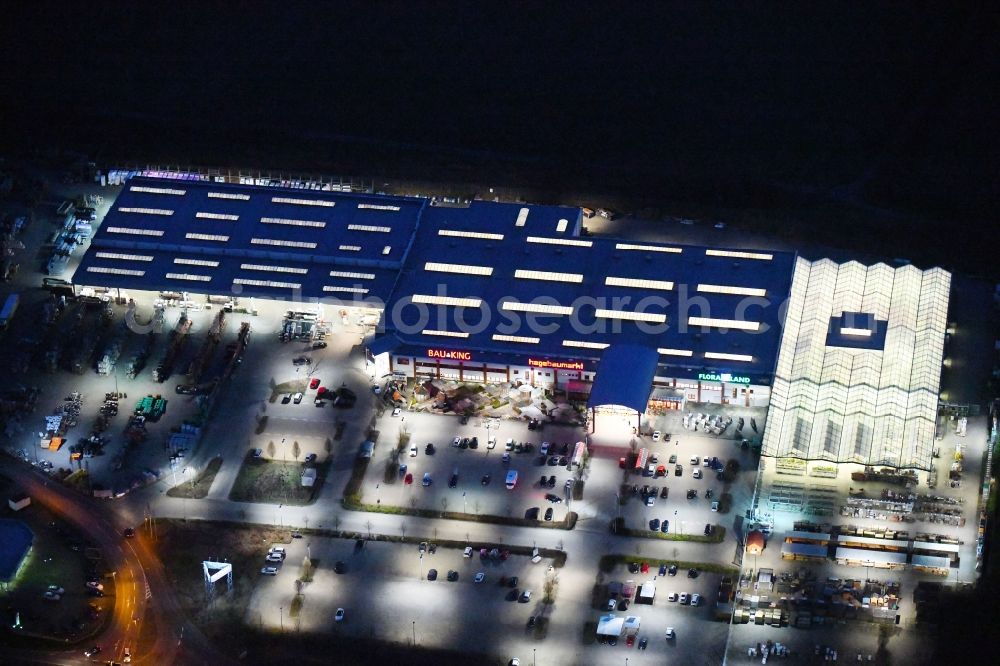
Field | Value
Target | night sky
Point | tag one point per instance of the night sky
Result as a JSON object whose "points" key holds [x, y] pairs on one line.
{"points": [[768, 105]]}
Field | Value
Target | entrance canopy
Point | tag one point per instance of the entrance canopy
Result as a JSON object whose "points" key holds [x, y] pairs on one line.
{"points": [[624, 377]]}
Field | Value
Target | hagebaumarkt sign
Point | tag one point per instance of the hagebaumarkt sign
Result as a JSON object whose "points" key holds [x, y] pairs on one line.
{"points": [[558, 365], [725, 378]]}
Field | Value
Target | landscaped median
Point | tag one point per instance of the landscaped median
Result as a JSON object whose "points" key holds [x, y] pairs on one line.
{"points": [[618, 527], [607, 564], [198, 488], [353, 503]]}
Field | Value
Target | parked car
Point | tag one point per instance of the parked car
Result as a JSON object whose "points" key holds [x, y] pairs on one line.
{"points": [[695, 599], [672, 570], [275, 557], [531, 514], [395, 411], [453, 481], [611, 605], [269, 571], [128, 532], [656, 435], [319, 344], [664, 492], [339, 617], [643, 642], [672, 596], [683, 598], [432, 574], [408, 479], [311, 458], [552, 497], [473, 442], [673, 458], [339, 567], [300, 360], [314, 383], [665, 526], [715, 505], [297, 398], [525, 597], [485, 480], [696, 472], [480, 577], [52, 596], [92, 651], [455, 442], [678, 469], [692, 573], [654, 525], [548, 513], [452, 575], [257, 453], [427, 479], [429, 449], [670, 634], [287, 398], [651, 499]]}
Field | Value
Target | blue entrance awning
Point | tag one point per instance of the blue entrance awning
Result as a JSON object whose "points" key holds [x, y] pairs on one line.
{"points": [[624, 377]]}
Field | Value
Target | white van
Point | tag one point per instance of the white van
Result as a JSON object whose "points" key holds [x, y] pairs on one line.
{"points": [[511, 479]]}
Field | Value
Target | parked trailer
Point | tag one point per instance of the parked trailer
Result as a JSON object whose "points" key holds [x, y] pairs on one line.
{"points": [[177, 340], [9, 308]]}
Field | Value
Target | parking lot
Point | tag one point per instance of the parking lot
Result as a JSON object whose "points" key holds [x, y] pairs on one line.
{"points": [[386, 593], [480, 487]]}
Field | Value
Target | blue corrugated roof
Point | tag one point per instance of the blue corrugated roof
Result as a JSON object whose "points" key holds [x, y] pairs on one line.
{"points": [[593, 260], [333, 221], [669, 281], [624, 377]]}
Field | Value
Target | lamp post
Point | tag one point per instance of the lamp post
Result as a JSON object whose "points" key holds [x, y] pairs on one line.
{"points": [[281, 617], [378, 495], [465, 503], [414, 626]]}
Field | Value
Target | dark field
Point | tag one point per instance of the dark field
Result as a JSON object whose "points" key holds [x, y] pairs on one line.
{"points": [[886, 111]]}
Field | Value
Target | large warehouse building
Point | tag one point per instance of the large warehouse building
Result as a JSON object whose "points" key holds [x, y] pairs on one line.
{"points": [[511, 293]]}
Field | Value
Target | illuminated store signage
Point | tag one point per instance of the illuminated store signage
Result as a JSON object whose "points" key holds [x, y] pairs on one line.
{"points": [[449, 354], [725, 378], [558, 365]]}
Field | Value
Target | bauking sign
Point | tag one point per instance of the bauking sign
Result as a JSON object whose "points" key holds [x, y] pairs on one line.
{"points": [[725, 378], [449, 354]]}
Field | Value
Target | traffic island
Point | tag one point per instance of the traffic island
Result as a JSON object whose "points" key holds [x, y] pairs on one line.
{"points": [[607, 564], [619, 528], [569, 522], [198, 487]]}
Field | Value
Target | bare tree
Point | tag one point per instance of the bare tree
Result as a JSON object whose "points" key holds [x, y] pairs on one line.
{"points": [[368, 524], [444, 504], [296, 449], [298, 586], [328, 446], [270, 449]]}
